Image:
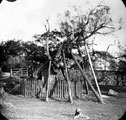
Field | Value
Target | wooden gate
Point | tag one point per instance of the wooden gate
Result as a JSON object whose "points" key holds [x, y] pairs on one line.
{"points": [[19, 72]]}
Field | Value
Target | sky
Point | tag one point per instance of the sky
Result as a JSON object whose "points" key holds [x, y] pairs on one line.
{"points": [[25, 18]]}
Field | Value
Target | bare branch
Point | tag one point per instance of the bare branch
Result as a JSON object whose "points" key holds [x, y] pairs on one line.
{"points": [[47, 26], [110, 45]]}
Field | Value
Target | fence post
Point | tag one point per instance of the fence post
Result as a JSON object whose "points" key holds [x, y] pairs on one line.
{"points": [[10, 72], [62, 88]]}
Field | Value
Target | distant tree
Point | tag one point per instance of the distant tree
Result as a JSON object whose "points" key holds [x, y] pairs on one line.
{"points": [[3, 56], [104, 61], [13, 47], [11, 53], [122, 58], [16, 53], [122, 64], [34, 56]]}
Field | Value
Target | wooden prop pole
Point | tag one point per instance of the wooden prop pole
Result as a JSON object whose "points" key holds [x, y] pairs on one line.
{"points": [[92, 69], [86, 78]]}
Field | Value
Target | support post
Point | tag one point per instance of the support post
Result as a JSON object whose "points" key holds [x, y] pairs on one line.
{"points": [[86, 78], [95, 78]]}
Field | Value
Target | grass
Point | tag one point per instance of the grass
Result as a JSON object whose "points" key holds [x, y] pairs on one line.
{"points": [[22, 108]]}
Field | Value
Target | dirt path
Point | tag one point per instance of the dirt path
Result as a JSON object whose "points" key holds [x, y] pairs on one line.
{"points": [[20, 108]]}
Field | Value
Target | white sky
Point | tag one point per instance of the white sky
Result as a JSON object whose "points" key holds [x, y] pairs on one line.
{"points": [[24, 18]]}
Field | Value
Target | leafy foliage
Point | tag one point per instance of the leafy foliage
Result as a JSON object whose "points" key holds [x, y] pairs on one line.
{"points": [[85, 25], [13, 47], [75, 31]]}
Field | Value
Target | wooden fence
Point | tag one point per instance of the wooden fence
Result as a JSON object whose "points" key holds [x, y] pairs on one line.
{"points": [[30, 87], [59, 89]]}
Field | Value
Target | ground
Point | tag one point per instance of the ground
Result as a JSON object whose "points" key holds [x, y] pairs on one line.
{"points": [[22, 108]]}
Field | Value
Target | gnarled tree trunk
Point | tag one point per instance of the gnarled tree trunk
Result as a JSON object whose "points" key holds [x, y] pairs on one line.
{"points": [[48, 83]]}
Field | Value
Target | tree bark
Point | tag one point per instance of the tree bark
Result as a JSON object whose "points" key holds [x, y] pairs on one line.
{"points": [[86, 78], [48, 79], [68, 81], [48, 83]]}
